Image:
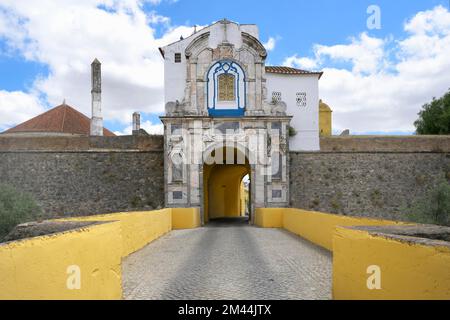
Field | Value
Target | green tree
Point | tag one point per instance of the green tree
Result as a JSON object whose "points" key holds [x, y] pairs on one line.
{"points": [[16, 208], [434, 207], [435, 117]]}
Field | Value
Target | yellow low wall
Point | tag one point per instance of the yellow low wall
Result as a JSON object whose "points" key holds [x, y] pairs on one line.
{"points": [[319, 227], [269, 218], [316, 227], [185, 218], [137, 228], [408, 271], [37, 268]]}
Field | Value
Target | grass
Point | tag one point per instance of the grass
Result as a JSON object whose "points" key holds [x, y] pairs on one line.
{"points": [[16, 207]]}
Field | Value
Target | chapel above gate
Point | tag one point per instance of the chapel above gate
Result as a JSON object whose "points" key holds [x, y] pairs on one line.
{"points": [[219, 95], [219, 72]]}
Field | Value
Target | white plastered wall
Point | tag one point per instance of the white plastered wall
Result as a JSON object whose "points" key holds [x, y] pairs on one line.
{"points": [[175, 74], [305, 119]]}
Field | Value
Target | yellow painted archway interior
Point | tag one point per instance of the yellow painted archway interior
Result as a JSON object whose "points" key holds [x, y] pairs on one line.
{"points": [[225, 195]]}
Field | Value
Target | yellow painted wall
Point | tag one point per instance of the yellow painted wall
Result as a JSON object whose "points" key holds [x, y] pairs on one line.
{"points": [[36, 268], [269, 218], [224, 190], [319, 227], [245, 198], [408, 271], [206, 173], [316, 227], [137, 228], [325, 120], [185, 218]]}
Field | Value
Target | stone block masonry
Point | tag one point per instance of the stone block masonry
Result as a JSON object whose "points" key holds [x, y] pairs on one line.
{"points": [[78, 143], [87, 180], [370, 184], [77, 176], [418, 144]]}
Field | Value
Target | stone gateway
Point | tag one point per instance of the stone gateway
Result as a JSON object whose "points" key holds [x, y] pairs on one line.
{"points": [[239, 135], [220, 119]]}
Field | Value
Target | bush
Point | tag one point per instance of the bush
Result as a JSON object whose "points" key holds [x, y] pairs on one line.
{"points": [[292, 132], [434, 208], [16, 208]]}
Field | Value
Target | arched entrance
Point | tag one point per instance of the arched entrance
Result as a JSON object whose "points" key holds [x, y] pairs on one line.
{"points": [[226, 185]]}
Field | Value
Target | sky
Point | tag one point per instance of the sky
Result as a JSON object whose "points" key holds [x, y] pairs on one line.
{"points": [[382, 60]]}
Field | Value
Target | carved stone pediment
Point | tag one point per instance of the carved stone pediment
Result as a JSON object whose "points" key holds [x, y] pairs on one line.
{"points": [[176, 109], [198, 45], [254, 44], [275, 108], [223, 51]]}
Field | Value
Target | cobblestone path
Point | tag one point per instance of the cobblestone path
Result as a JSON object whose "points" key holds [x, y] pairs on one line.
{"points": [[228, 261]]}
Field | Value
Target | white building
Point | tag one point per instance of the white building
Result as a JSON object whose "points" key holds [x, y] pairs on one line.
{"points": [[221, 98], [298, 89]]}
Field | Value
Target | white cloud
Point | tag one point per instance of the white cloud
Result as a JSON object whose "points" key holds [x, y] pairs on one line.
{"points": [[67, 35], [366, 53], [270, 44], [388, 79], [16, 107], [151, 128], [379, 92], [300, 62], [431, 21]]}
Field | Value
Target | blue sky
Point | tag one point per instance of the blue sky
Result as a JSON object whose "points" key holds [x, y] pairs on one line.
{"points": [[299, 24], [45, 52]]}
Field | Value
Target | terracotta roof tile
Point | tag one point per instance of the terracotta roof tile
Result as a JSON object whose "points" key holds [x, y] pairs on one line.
{"points": [[289, 70], [61, 119]]}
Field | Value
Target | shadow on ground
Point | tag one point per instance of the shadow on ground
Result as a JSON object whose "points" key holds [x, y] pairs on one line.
{"points": [[228, 222]]}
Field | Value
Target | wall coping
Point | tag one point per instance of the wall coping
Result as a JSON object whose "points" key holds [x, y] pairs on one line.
{"points": [[335, 144], [78, 144], [422, 234], [411, 144]]}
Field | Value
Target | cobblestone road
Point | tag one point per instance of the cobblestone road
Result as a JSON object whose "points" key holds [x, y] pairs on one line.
{"points": [[228, 261]]}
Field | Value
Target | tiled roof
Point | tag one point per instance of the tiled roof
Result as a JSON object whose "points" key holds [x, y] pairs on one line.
{"points": [[288, 70], [61, 119]]}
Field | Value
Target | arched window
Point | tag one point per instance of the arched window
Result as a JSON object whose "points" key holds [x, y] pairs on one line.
{"points": [[227, 87], [226, 90]]}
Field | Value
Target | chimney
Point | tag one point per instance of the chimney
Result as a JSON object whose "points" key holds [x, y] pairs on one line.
{"points": [[136, 123], [97, 119]]}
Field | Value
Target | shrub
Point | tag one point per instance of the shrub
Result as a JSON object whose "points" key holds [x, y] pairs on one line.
{"points": [[16, 208], [434, 207], [292, 132], [136, 202]]}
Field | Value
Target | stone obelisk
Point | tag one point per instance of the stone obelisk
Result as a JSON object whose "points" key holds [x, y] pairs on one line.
{"points": [[97, 119]]}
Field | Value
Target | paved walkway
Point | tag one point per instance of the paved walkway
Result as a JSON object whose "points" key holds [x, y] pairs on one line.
{"points": [[228, 261]]}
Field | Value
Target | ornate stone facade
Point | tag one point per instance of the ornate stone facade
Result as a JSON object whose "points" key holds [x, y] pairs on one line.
{"points": [[222, 58]]}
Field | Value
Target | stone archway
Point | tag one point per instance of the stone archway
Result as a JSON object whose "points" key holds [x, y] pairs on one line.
{"points": [[223, 190]]}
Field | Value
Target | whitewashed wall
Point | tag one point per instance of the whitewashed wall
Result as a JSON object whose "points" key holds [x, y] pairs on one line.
{"points": [[175, 74], [305, 119]]}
